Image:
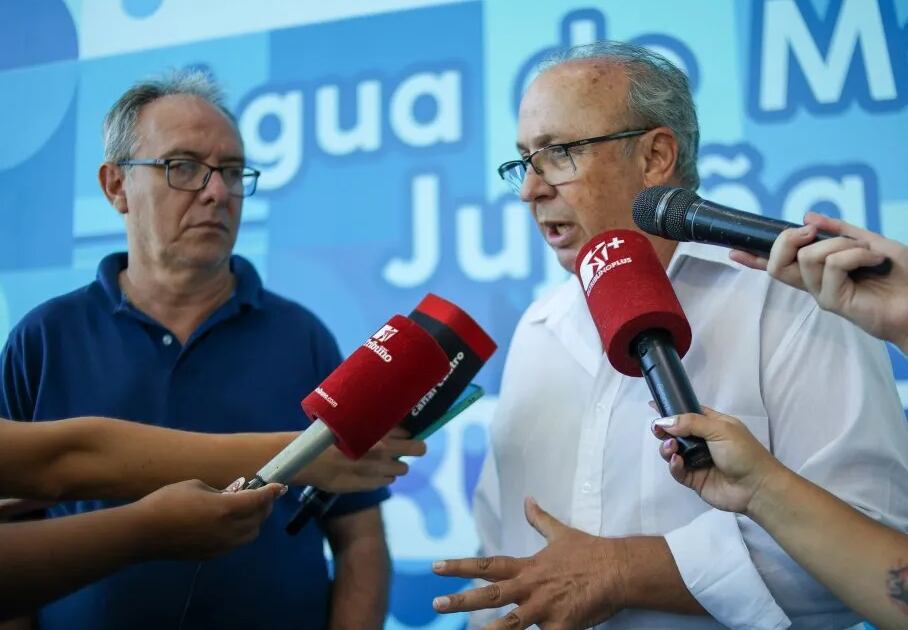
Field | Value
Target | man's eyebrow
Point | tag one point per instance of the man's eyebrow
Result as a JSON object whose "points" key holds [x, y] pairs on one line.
{"points": [[178, 152], [540, 141], [183, 153]]}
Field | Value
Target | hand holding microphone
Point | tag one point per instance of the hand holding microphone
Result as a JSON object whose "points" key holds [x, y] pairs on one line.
{"points": [[680, 215], [741, 464], [332, 471], [380, 381], [192, 521], [467, 347], [856, 273], [641, 323], [878, 304]]}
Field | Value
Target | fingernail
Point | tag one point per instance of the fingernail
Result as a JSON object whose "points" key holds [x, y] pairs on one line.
{"points": [[440, 603], [438, 565], [236, 485], [666, 422], [283, 490], [804, 231], [667, 443]]}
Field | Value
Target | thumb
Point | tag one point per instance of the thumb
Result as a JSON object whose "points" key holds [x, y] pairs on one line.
{"points": [[251, 501], [712, 426], [542, 521]]}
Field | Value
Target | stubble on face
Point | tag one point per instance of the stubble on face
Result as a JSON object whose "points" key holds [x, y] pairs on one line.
{"points": [[174, 229]]}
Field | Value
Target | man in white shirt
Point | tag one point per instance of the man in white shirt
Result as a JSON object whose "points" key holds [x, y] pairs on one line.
{"points": [[597, 126]]}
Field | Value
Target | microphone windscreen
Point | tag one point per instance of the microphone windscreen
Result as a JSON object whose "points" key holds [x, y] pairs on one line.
{"points": [[467, 346], [628, 293], [459, 322], [660, 210], [368, 394]]}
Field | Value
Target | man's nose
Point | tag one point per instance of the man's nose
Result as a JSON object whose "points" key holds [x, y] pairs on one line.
{"points": [[216, 188], [534, 187]]}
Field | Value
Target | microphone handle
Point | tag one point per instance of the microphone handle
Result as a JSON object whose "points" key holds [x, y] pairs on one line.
{"points": [[671, 389], [314, 503], [721, 225], [301, 451]]}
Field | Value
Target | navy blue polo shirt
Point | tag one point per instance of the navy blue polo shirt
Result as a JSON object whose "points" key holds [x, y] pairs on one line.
{"points": [[90, 352]]}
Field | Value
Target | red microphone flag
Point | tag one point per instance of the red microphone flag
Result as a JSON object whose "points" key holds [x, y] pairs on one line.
{"points": [[368, 394], [627, 293]]}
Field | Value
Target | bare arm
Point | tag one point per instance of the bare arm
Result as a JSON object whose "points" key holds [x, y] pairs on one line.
{"points": [[864, 563], [100, 457], [188, 520], [362, 570], [104, 458]]}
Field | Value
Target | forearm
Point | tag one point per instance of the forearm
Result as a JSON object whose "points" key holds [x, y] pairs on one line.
{"points": [[43, 560], [104, 458], [851, 554], [362, 570], [652, 580]]}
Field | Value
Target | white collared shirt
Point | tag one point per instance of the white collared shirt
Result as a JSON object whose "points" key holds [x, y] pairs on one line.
{"points": [[575, 434]]}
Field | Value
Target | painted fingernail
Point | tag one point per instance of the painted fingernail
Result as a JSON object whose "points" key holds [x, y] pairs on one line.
{"points": [[666, 422], [236, 485], [438, 565], [440, 603]]}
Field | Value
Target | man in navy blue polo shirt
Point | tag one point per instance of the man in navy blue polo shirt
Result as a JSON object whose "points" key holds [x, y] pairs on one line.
{"points": [[179, 333]]}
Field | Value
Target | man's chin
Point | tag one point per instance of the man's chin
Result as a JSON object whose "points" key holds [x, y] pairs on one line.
{"points": [[201, 259], [567, 257]]}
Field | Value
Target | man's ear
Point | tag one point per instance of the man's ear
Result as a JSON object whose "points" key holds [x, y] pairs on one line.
{"points": [[112, 180], [660, 155]]}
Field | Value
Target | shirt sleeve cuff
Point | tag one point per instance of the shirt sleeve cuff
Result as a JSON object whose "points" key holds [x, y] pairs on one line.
{"points": [[717, 569]]}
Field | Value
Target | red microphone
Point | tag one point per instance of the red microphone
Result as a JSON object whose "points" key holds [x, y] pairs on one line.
{"points": [[467, 347], [641, 323], [363, 398]]}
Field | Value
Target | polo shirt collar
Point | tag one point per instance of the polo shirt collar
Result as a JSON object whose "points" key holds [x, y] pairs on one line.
{"points": [[248, 291]]}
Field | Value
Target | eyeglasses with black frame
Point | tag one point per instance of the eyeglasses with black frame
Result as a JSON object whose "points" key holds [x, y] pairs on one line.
{"points": [[192, 175], [554, 163]]}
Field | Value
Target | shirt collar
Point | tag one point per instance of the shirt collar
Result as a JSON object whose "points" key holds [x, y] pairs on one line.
{"points": [[248, 291]]}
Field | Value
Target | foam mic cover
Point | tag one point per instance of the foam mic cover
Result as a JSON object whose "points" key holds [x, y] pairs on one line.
{"points": [[627, 293], [467, 347], [368, 394]]}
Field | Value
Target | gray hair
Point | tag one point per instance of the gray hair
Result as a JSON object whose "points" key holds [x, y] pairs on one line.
{"points": [[120, 121], [659, 95]]}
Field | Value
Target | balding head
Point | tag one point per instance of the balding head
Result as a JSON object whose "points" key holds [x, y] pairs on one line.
{"points": [[658, 94]]}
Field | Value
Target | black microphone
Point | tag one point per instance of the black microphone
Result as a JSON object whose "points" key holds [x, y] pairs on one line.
{"points": [[681, 215], [641, 324]]}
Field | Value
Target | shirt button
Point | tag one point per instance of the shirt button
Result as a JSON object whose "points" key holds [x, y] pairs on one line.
{"points": [[586, 487], [167, 339]]}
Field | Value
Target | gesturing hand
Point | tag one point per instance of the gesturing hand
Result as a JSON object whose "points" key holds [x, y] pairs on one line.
{"points": [[574, 582]]}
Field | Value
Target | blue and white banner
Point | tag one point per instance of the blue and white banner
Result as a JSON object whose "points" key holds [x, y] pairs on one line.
{"points": [[378, 124]]}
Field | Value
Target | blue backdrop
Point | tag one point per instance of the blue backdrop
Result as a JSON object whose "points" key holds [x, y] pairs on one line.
{"points": [[378, 125]]}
